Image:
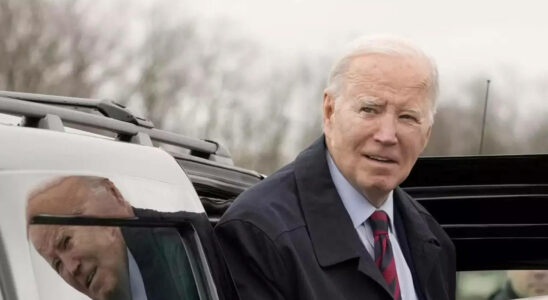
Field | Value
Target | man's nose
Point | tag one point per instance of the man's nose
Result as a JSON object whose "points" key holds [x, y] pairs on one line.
{"points": [[71, 264], [386, 130]]}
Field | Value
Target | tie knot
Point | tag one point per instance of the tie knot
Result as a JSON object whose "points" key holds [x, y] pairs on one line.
{"points": [[379, 222]]}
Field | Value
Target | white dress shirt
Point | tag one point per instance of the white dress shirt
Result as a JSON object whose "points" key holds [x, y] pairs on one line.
{"points": [[360, 209], [135, 279]]}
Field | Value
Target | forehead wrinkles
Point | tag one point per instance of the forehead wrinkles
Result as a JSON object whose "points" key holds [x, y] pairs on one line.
{"points": [[366, 81], [393, 73], [411, 99]]}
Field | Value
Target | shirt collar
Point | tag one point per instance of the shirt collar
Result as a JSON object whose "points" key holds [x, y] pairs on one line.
{"points": [[356, 204], [135, 279]]}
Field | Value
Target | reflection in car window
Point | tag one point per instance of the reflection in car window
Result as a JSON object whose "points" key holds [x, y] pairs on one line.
{"points": [[502, 285], [106, 262], [118, 263]]}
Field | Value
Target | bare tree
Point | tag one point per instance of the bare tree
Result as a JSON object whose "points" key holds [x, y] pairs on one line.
{"points": [[47, 47], [205, 79], [458, 124], [216, 84]]}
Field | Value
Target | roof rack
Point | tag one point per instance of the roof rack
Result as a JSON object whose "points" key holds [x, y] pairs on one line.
{"points": [[50, 112]]}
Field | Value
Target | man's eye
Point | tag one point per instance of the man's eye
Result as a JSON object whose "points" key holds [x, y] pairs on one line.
{"points": [[367, 110], [409, 117], [56, 265], [66, 242]]}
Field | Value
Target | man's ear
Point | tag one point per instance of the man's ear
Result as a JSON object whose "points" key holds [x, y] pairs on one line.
{"points": [[427, 137], [328, 108], [113, 190]]}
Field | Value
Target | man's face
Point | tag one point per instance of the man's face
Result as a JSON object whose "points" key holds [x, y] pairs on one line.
{"points": [[91, 259], [379, 124], [529, 283]]}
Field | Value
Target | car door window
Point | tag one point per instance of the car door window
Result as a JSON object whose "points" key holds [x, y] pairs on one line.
{"points": [[111, 262], [117, 238]]}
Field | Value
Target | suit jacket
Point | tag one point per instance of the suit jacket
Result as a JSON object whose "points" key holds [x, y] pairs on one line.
{"points": [[290, 237]]}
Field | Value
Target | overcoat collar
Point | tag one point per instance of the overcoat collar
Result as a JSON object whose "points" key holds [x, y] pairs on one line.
{"points": [[331, 231], [333, 236], [423, 244]]}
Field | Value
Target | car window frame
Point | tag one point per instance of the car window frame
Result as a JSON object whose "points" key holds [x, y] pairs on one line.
{"points": [[188, 234]]}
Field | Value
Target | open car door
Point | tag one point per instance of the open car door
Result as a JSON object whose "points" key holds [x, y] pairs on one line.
{"points": [[494, 208]]}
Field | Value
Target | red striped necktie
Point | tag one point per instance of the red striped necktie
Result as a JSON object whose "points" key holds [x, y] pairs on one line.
{"points": [[384, 257]]}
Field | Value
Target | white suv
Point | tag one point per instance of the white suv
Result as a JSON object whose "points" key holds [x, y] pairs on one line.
{"points": [[63, 148]]}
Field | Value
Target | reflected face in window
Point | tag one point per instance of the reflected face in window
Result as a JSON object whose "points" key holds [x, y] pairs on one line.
{"points": [[529, 283], [91, 259]]}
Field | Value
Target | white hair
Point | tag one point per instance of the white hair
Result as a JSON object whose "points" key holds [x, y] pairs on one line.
{"points": [[382, 45]]}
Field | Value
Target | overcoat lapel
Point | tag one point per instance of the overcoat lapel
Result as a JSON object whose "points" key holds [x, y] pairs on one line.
{"points": [[424, 246], [333, 236]]}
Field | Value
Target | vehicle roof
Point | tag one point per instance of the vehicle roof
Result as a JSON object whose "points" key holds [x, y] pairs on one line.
{"points": [[54, 112], [38, 149]]}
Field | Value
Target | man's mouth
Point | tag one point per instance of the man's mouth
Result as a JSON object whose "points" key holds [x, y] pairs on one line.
{"points": [[90, 277], [380, 158]]}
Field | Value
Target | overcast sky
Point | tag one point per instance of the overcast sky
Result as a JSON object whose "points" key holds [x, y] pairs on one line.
{"points": [[482, 39], [461, 35]]}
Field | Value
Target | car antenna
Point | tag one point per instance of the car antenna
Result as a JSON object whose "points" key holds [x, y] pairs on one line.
{"points": [[484, 116]]}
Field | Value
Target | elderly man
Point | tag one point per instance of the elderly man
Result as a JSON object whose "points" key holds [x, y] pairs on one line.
{"points": [[334, 224], [107, 263]]}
